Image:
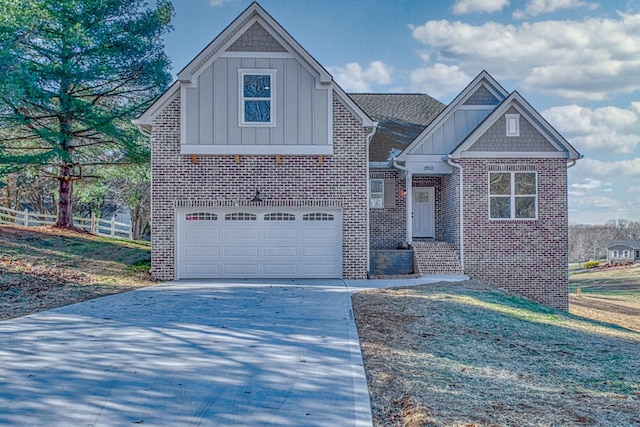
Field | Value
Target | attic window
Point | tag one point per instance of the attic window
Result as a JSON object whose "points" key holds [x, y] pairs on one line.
{"points": [[513, 124], [257, 88]]}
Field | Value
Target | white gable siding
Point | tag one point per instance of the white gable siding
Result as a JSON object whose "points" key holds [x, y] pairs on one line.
{"points": [[211, 109]]}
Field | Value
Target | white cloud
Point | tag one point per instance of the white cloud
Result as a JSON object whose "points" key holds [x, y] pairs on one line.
{"points": [[599, 190], [608, 129], [620, 169], [470, 6], [536, 7], [216, 3], [591, 59], [438, 80], [353, 78]]}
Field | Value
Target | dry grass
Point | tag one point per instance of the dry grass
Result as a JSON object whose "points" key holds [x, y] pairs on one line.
{"points": [[47, 267], [467, 355], [608, 295]]}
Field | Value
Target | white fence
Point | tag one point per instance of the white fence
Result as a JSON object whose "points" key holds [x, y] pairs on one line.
{"points": [[103, 227]]}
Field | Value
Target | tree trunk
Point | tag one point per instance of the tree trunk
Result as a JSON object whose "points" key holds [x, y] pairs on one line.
{"points": [[64, 197]]}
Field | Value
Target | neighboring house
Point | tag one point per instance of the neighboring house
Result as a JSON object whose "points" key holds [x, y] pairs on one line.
{"points": [[623, 251], [262, 166]]}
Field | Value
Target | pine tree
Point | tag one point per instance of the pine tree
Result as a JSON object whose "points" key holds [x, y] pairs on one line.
{"points": [[73, 73]]}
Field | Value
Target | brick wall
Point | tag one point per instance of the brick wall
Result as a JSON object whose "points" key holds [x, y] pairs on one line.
{"points": [[340, 180], [388, 225], [527, 257]]}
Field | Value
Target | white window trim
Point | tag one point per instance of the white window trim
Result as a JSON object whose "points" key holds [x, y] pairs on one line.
{"points": [[512, 197], [381, 193], [614, 254], [513, 124], [257, 72]]}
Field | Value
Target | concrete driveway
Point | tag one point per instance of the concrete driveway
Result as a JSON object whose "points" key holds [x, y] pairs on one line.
{"points": [[191, 353]]}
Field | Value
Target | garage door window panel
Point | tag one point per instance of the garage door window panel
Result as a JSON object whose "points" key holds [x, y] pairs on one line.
{"points": [[201, 216], [240, 216], [279, 216]]}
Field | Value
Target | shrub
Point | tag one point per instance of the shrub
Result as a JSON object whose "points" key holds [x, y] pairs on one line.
{"points": [[591, 264]]}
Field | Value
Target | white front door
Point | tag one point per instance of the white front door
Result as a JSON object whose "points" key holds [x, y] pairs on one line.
{"points": [[424, 208]]}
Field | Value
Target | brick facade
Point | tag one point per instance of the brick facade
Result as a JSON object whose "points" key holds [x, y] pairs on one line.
{"points": [[527, 257], [337, 181]]}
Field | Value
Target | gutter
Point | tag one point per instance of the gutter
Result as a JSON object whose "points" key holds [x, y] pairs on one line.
{"points": [[456, 165]]}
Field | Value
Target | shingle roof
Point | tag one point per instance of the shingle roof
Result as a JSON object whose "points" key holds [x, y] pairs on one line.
{"points": [[401, 118], [634, 244]]}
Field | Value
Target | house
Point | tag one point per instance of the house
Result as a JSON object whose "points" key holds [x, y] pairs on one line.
{"points": [[262, 166], [623, 251]]}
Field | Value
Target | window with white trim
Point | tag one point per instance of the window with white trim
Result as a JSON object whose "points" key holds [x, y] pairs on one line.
{"points": [[513, 124], [625, 254], [513, 195], [257, 91], [614, 254], [376, 193]]}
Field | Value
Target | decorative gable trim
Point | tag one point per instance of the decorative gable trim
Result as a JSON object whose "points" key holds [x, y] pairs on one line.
{"points": [[252, 15], [562, 147], [146, 119], [219, 47], [482, 80]]}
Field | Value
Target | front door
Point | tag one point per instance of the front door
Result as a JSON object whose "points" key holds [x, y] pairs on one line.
{"points": [[423, 211]]}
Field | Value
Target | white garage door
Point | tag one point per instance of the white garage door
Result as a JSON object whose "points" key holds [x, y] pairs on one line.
{"points": [[255, 243]]}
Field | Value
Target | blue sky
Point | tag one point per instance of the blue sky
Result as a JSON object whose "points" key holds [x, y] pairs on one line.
{"points": [[576, 61]]}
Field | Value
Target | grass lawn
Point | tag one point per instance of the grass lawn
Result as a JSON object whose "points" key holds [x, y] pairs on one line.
{"points": [[468, 355], [608, 294], [46, 267]]}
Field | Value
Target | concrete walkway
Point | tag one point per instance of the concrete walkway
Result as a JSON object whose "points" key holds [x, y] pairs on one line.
{"points": [[192, 353]]}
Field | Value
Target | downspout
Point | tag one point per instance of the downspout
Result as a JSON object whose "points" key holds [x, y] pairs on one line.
{"points": [[456, 165], [408, 204], [370, 132]]}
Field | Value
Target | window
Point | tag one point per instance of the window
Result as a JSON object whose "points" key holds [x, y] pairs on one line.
{"points": [[376, 191], [317, 216], [625, 254], [201, 216], [279, 217], [240, 216], [614, 254], [257, 88], [512, 195], [513, 124]]}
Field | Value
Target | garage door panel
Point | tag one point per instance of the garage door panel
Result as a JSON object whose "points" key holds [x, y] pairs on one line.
{"points": [[280, 251], [193, 234], [259, 242], [201, 251], [280, 233], [280, 270], [233, 232], [201, 270], [241, 270], [241, 251], [311, 251], [322, 234], [317, 270]]}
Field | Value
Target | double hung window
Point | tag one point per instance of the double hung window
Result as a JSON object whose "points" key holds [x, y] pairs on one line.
{"points": [[513, 195], [257, 90], [376, 193]]}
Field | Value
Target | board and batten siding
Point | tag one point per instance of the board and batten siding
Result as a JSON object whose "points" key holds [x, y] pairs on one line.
{"points": [[454, 129], [302, 111]]}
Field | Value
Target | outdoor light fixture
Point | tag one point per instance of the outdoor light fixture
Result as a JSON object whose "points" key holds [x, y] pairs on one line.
{"points": [[256, 198]]}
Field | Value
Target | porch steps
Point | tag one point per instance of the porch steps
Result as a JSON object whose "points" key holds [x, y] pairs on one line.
{"points": [[431, 257]]}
